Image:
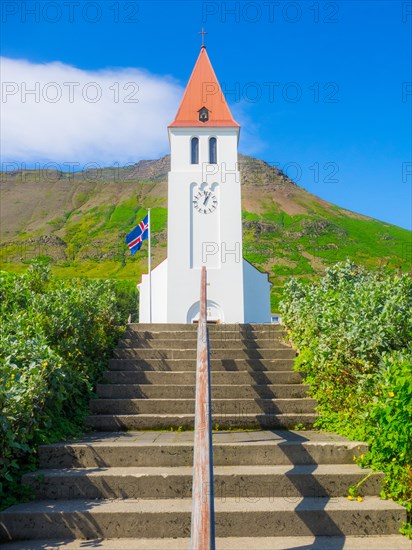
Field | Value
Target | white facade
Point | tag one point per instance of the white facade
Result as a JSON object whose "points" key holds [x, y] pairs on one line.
{"points": [[159, 295], [256, 295], [205, 228], [237, 292]]}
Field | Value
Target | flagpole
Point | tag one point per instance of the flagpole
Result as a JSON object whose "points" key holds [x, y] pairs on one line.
{"points": [[150, 267]]}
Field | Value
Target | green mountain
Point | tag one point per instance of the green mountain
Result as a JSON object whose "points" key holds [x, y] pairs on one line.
{"points": [[77, 222]]}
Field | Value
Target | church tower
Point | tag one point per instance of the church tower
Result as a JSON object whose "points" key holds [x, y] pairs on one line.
{"points": [[205, 216]]}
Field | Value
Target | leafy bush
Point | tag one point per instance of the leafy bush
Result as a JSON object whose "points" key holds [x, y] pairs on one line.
{"points": [[55, 339], [127, 299], [353, 329]]}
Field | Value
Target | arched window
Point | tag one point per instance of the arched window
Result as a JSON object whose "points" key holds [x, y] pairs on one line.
{"points": [[213, 150], [194, 150]]}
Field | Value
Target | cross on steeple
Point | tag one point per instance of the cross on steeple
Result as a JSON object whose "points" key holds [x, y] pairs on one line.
{"points": [[203, 37]]}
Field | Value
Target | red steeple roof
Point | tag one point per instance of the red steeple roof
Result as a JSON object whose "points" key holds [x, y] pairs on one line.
{"points": [[203, 90]]}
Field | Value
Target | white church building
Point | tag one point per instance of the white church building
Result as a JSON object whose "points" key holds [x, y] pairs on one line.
{"points": [[204, 217]]}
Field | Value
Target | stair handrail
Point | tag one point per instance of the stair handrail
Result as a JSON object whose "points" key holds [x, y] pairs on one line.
{"points": [[202, 535]]}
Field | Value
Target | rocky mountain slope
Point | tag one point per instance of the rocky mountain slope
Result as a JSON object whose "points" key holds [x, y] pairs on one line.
{"points": [[77, 222]]}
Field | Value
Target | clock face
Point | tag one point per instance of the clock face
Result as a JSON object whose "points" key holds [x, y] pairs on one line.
{"points": [[205, 202]]}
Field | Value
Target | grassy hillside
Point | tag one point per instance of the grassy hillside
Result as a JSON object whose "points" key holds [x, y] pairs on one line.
{"points": [[77, 222]]}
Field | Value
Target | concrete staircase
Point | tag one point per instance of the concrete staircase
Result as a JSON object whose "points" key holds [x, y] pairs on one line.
{"points": [[274, 488], [151, 381]]}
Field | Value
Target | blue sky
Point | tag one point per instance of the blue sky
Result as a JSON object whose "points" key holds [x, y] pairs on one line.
{"points": [[322, 89]]}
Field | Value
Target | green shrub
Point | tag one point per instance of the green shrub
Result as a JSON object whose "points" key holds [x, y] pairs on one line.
{"points": [[55, 339], [388, 425], [127, 299], [353, 329]]}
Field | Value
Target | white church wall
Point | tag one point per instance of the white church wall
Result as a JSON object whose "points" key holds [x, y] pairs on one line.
{"points": [[196, 239], [225, 281], [256, 295], [256, 298], [205, 229], [180, 149], [236, 290], [159, 295], [183, 284]]}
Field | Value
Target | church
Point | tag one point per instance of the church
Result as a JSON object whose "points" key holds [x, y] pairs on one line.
{"points": [[204, 217]]}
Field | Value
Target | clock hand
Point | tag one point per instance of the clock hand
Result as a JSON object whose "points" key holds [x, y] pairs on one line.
{"points": [[207, 198]]}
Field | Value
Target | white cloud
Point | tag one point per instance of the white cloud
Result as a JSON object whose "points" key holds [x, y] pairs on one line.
{"points": [[83, 116]]}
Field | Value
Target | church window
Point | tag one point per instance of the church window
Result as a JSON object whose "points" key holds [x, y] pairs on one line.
{"points": [[194, 150], [213, 150]]}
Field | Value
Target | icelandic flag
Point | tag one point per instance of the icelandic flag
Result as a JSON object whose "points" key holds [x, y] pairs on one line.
{"points": [[140, 233]]}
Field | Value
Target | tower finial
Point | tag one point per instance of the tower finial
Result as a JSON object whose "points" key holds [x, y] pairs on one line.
{"points": [[203, 37]]}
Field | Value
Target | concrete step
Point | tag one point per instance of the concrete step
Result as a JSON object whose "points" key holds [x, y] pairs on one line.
{"points": [[189, 378], [229, 327], [229, 391], [189, 336], [176, 449], [235, 353], [169, 518], [220, 407], [215, 343], [113, 422], [240, 482], [383, 542], [124, 360]]}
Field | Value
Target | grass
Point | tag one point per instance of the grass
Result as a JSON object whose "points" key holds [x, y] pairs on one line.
{"points": [[299, 246], [93, 218]]}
